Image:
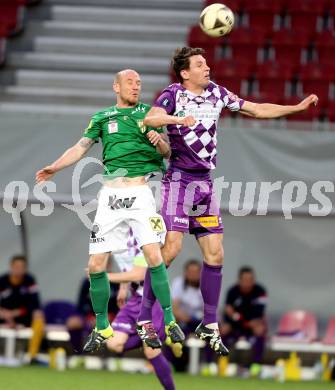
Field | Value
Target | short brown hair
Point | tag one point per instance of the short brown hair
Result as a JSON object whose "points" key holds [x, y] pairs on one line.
{"points": [[181, 59]]}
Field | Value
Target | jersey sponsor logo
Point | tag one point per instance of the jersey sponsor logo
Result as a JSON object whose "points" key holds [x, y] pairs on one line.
{"points": [[125, 203], [122, 325], [210, 221], [112, 127], [138, 109], [125, 118], [109, 113], [166, 102], [183, 221], [183, 99], [94, 239], [156, 224], [140, 124], [181, 113]]}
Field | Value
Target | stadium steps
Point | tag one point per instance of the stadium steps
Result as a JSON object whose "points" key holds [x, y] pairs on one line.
{"points": [[82, 62], [151, 4], [107, 47], [80, 80], [63, 95], [66, 60], [94, 30], [109, 15]]}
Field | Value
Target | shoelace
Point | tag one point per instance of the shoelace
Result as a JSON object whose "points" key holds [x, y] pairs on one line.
{"points": [[150, 330]]}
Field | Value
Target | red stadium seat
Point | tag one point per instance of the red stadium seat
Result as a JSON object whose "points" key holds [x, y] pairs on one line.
{"points": [[263, 13], [273, 77], [246, 43], [289, 46], [317, 79], [297, 326], [197, 38], [325, 46], [306, 14], [232, 74], [12, 15], [329, 337]]}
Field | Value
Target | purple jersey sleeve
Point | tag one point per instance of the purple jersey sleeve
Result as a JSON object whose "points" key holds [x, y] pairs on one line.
{"points": [[230, 100], [167, 101]]}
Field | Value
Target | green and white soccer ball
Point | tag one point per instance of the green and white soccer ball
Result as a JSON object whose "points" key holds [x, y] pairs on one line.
{"points": [[217, 20]]}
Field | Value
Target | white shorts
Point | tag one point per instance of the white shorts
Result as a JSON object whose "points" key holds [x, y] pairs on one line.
{"points": [[120, 209]]}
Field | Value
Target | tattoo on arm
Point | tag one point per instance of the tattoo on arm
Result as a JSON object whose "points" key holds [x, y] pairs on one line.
{"points": [[86, 143]]}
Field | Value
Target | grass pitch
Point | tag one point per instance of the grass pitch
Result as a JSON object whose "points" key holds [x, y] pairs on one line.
{"points": [[36, 378]]}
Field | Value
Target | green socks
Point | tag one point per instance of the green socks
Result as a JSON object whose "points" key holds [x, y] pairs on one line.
{"points": [[161, 289], [100, 293]]}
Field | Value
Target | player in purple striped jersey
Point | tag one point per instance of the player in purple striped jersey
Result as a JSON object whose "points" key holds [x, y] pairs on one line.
{"points": [[190, 109]]}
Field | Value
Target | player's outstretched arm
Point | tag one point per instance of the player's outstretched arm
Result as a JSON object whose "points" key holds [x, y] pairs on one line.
{"points": [[70, 156], [269, 111], [136, 274], [158, 117]]}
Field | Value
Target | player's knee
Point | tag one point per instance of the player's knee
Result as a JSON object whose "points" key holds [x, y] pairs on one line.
{"points": [[151, 353], [170, 251], [215, 255], [97, 263], [115, 345]]}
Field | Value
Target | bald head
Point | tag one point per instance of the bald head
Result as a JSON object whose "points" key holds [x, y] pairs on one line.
{"points": [[127, 86], [124, 73]]}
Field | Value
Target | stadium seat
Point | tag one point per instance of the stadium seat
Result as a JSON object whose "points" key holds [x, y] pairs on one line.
{"points": [[306, 14], [233, 75], [325, 45], [297, 326], [317, 78], [273, 77], [290, 46], [263, 13], [12, 15], [57, 312], [329, 337], [247, 43]]}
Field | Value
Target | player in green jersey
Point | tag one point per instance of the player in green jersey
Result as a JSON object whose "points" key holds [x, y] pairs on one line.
{"points": [[131, 154]]}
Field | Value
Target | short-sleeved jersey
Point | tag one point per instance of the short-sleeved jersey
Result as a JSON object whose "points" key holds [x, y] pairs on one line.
{"points": [[194, 148], [23, 297], [126, 149]]}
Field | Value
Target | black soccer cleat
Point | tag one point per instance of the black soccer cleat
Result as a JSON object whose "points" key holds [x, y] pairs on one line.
{"points": [[148, 335], [174, 333], [95, 340], [212, 338]]}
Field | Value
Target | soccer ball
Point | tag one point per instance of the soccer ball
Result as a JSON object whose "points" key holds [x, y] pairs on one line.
{"points": [[217, 20]]}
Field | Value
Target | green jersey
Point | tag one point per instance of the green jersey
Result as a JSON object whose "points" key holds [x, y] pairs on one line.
{"points": [[126, 148]]}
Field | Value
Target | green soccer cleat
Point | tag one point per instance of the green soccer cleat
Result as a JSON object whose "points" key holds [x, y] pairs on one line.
{"points": [[96, 338], [212, 338], [174, 333]]}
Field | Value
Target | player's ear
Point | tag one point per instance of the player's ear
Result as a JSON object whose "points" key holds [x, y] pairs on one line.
{"points": [[185, 74], [116, 87]]}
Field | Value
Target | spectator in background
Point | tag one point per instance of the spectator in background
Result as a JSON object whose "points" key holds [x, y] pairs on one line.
{"points": [[20, 303], [79, 325], [186, 297], [244, 313], [187, 307]]}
